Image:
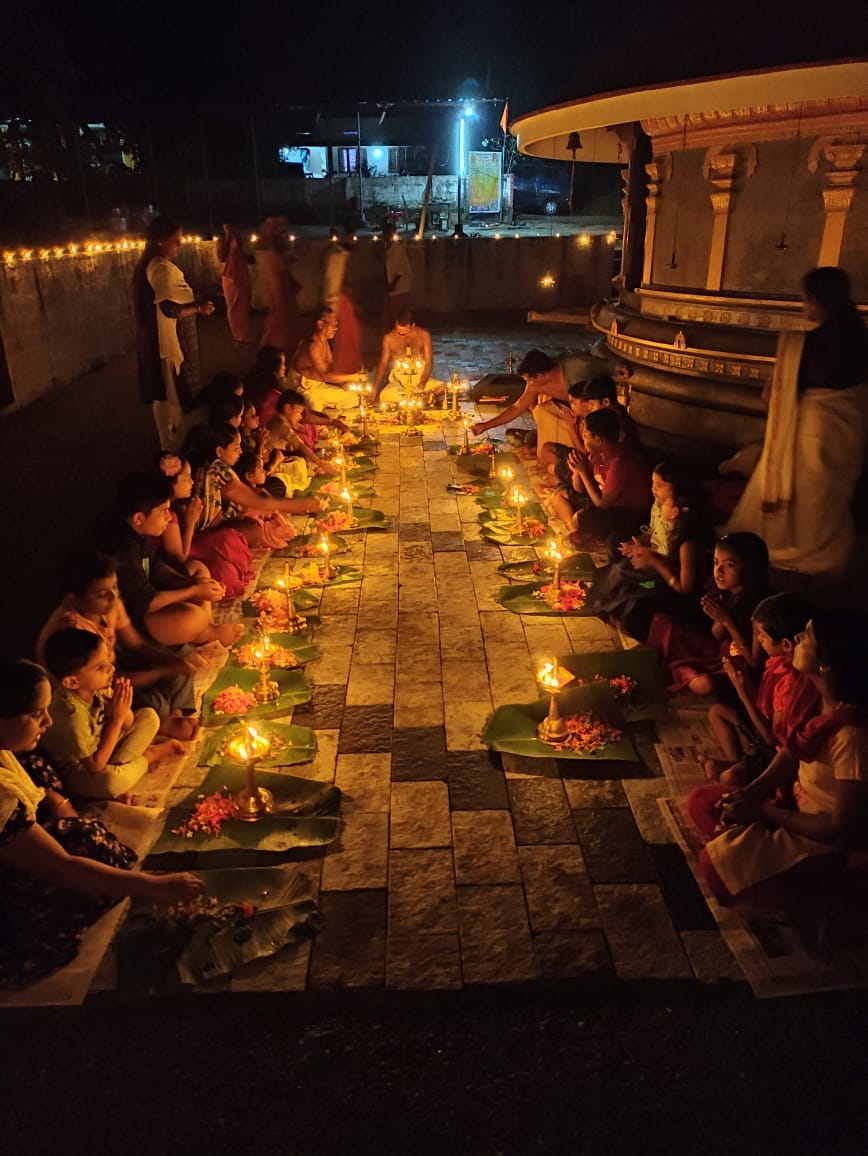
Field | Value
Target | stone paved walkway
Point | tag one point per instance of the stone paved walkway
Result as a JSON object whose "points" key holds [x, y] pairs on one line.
{"points": [[452, 869]]}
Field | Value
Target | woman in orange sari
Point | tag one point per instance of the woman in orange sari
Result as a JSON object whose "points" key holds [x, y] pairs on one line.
{"points": [[235, 278], [282, 328]]}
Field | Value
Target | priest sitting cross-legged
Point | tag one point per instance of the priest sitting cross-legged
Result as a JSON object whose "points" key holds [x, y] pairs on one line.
{"points": [[407, 360]]}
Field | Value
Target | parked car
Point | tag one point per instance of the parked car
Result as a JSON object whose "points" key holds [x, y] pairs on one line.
{"points": [[541, 187]]}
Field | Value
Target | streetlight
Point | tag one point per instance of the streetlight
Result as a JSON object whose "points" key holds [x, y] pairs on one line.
{"points": [[466, 112]]}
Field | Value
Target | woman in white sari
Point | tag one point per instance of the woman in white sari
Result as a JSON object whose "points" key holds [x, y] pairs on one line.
{"points": [[798, 497]]}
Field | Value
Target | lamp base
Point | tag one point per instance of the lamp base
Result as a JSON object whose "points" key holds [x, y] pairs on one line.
{"points": [[255, 806], [268, 691], [295, 625], [552, 731]]}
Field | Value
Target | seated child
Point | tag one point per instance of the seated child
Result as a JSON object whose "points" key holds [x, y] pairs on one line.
{"points": [[615, 480], [693, 649], [100, 747], [266, 381], [664, 569], [766, 715], [276, 530], [163, 603], [287, 432], [177, 538], [226, 498], [160, 678], [600, 393]]}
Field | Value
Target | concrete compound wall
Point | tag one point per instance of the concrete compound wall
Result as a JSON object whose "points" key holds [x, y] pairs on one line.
{"points": [[62, 316]]}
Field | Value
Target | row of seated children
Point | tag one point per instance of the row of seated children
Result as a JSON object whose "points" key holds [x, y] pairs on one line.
{"points": [[122, 645]]}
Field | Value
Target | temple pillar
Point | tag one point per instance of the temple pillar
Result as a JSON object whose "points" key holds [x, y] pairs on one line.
{"points": [[722, 169], [838, 197], [659, 171]]}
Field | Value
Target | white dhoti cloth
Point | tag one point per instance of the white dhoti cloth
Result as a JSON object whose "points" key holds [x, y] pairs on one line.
{"points": [[551, 424], [322, 396], [798, 497], [395, 389]]}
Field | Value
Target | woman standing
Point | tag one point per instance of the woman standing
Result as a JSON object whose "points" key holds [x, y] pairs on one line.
{"points": [[282, 327], [165, 310], [798, 497], [235, 278], [53, 886]]}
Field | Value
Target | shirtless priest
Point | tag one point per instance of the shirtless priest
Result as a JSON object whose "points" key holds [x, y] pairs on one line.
{"points": [[407, 360]]}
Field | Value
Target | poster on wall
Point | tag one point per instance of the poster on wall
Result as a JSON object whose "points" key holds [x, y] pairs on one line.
{"points": [[483, 182]]}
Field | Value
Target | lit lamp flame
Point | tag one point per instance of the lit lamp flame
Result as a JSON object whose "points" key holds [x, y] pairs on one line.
{"points": [[518, 498], [346, 495], [467, 423], [547, 281], [324, 548], [552, 677], [557, 557], [253, 802], [506, 474], [341, 462], [455, 387]]}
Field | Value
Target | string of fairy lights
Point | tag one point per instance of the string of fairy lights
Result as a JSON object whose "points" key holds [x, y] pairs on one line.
{"points": [[12, 257]]}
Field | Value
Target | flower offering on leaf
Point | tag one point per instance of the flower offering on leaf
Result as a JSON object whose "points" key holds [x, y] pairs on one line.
{"points": [[233, 700], [533, 527], [471, 489], [623, 685], [310, 574], [308, 550], [335, 521], [209, 815], [271, 605], [277, 655], [588, 734], [568, 596]]}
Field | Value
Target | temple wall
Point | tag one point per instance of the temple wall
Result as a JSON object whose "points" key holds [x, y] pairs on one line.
{"points": [[61, 316]]}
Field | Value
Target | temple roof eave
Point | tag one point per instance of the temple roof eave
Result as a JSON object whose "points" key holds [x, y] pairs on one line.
{"points": [[600, 119]]}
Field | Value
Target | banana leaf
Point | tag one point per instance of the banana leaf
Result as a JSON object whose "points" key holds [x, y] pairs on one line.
{"points": [[365, 490], [505, 515], [641, 663], [366, 445], [305, 600], [522, 600], [293, 796], [512, 728], [339, 545], [367, 520], [290, 745], [156, 954], [576, 566], [294, 689], [341, 574], [270, 840], [362, 464], [491, 497], [480, 463], [301, 647]]}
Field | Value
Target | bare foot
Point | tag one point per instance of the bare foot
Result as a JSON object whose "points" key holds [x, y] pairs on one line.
{"points": [[184, 728], [127, 798], [714, 768], [228, 632], [164, 750]]}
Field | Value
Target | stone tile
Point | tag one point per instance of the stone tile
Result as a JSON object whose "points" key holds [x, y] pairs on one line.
{"points": [[350, 950], [421, 893], [371, 685], [496, 945], [418, 754], [641, 938], [642, 795], [423, 962], [461, 644], [557, 888], [544, 640], [325, 709], [512, 682], [500, 629], [573, 955], [687, 907], [338, 630], [464, 724], [484, 848], [590, 794], [366, 729], [482, 551], [374, 647], [446, 540], [414, 531], [333, 668], [377, 614], [710, 958], [417, 664], [522, 767], [339, 600], [418, 704], [474, 784], [322, 767], [359, 859], [419, 815], [462, 679], [365, 781], [612, 847], [539, 808], [412, 554], [588, 634]]}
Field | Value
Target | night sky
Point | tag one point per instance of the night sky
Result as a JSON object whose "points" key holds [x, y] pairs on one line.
{"points": [[89, 55]]}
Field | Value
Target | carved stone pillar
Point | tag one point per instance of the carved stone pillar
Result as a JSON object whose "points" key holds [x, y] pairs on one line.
{"points": [[838, 197], [721, 174], [658, 172]]}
